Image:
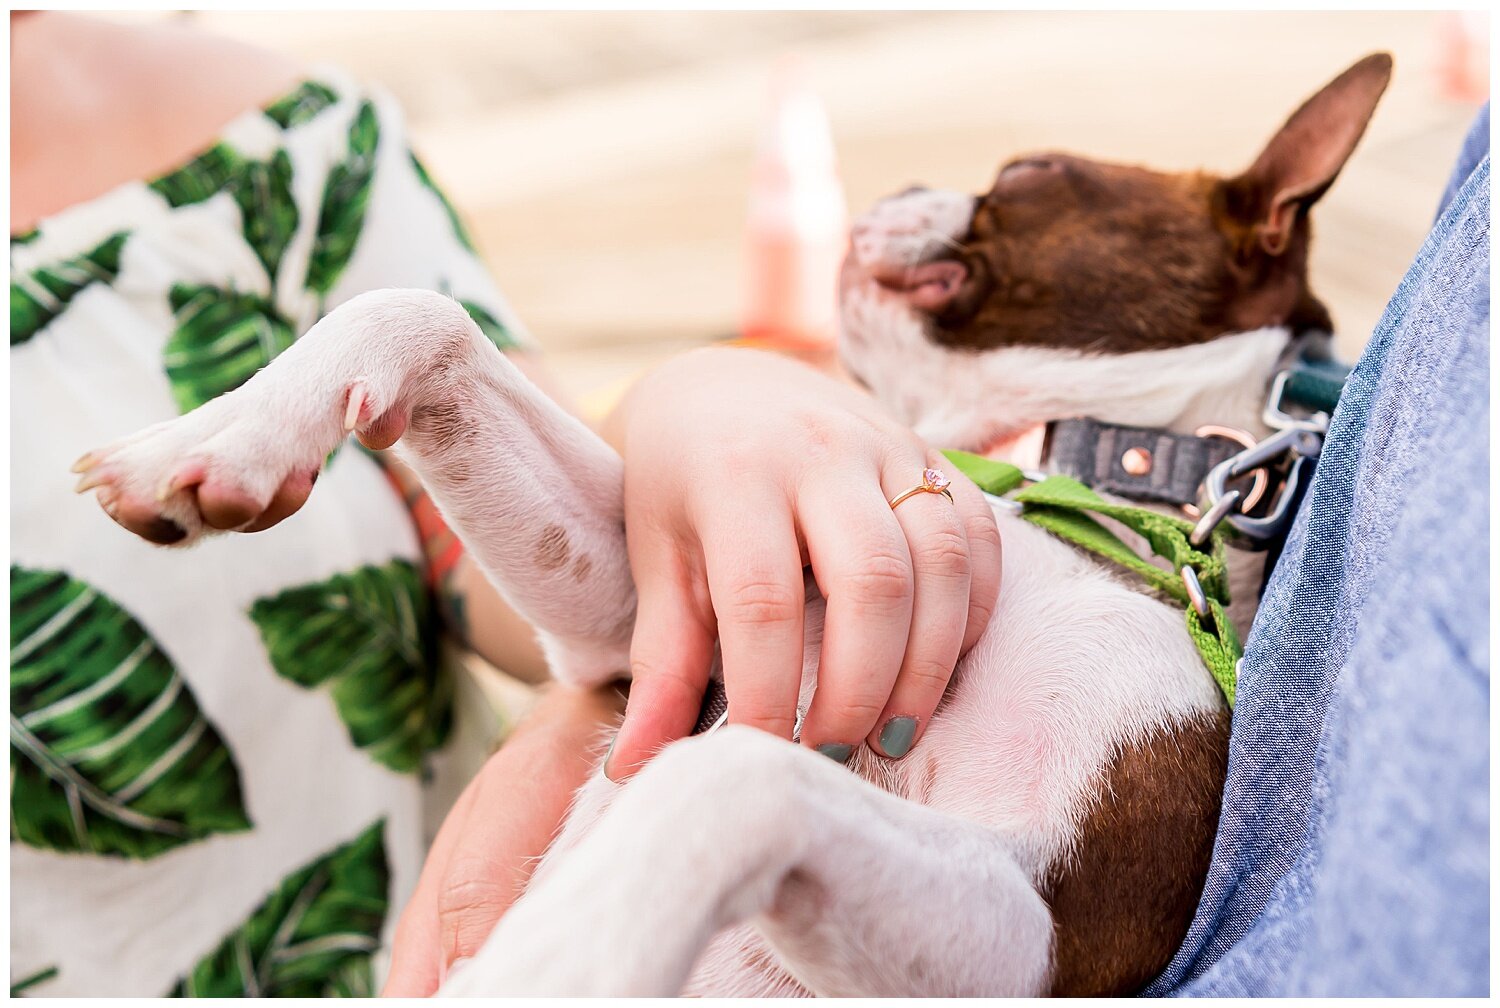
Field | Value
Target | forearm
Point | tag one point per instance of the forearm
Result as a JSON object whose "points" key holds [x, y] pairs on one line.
{"points": [[512, 810]]}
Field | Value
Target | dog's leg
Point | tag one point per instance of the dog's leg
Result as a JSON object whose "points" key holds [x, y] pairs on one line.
{"points": [[534, 495], [859, 891]]}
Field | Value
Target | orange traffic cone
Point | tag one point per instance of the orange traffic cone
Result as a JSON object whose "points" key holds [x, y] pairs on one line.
{"points": [[797, 229]]}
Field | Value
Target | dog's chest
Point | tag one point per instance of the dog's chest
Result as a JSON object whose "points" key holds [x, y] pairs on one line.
{"points": [[1074, 667]]}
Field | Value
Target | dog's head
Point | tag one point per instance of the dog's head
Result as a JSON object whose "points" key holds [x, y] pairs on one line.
{"points": [[1102, 277]]}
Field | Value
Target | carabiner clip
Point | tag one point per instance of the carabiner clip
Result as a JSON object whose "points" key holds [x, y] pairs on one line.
{"points": [[1304, 440]]}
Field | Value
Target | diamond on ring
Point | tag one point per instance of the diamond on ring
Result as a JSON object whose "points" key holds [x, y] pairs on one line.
{"points": [[933, 481]]}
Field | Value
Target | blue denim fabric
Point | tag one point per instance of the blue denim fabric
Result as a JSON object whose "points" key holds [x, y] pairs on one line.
{"points": [[1353, 848]]}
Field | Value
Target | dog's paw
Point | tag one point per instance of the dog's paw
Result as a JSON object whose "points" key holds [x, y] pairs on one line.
{"points": [[242, 462]]}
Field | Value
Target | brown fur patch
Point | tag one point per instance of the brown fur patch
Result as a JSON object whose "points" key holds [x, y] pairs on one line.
{"points": [[442, 424], [1124, 896], [552, 548], [759, 958], [582, 568], [1078, 254]]}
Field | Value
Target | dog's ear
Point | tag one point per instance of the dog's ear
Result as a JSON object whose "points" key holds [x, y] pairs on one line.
{"points": [[1304, 157]]}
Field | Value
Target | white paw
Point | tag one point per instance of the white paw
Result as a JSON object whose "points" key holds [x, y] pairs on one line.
{"points": [[243, 461]]}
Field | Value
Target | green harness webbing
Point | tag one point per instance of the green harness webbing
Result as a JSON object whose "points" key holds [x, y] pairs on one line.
{"points": [[1062, 506]]}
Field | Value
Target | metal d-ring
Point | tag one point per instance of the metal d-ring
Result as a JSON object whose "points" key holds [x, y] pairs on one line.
{"points": [[1259, 480], [1196, 595], [1212, 517]]}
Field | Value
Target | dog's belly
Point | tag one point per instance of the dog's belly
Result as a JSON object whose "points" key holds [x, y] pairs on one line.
{"points": [[1075, 668]]}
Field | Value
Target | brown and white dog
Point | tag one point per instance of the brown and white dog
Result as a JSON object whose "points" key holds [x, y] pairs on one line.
{"points": [[1051, 830]]}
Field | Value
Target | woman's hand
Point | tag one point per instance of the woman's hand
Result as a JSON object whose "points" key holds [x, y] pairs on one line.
{"points": [[495, 834], [741, 468]]}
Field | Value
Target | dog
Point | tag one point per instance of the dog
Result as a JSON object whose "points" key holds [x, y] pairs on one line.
{"points": [[1051, 830]]}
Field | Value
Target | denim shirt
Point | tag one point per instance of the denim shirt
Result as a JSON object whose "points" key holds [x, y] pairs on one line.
{"points": [[1352, 854]]}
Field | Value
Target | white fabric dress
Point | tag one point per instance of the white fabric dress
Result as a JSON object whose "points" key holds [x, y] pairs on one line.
{"points": [[217, 754]]}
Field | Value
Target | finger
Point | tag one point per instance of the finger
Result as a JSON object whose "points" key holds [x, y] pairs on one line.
{"points": [[416, 953], [863, 565], [755, 583], [288, 499], [670, 654], [940, 606], [985, 555]]}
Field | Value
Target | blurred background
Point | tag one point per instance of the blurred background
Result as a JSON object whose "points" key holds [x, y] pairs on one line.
{"points": [[603, 160]]}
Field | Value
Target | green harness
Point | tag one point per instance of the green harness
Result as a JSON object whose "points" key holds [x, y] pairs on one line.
{"points": [[1308, 384], [1063, 506]]}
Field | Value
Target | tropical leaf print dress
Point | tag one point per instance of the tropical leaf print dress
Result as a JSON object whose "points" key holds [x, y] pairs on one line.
{"points": [[217, 754]]}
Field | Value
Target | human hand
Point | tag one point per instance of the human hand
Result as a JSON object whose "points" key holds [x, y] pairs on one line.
{"points": [[741, 468], [495, 835]]}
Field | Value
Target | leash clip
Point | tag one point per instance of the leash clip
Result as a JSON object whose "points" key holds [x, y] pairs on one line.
{"points": [[1301, 437]]}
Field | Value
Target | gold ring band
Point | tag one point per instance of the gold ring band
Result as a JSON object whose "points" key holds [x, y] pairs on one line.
{"points": [[933, 481]]}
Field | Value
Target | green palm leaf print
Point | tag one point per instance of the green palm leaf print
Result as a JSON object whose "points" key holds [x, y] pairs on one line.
{"points": [[263, 191], [371, 635], [313, 935], [222, 338], [201, 177], [453, 218], [346, 194], [492, 327], [20, 987], [40, 296], [301, 105], [110, 753]]}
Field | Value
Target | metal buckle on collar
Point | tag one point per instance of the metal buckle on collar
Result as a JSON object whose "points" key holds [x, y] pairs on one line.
{"points": [[1301, 437]]}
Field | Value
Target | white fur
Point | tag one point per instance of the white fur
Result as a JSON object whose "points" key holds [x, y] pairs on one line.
{"points": [[738, 863], [516, 467], [965, 399]]}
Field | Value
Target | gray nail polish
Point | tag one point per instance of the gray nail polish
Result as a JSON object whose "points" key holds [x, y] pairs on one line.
{"points": [[897, 735], [839, 752]]}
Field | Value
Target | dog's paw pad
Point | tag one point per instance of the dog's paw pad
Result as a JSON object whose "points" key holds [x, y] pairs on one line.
{"points": [[232, 465]]}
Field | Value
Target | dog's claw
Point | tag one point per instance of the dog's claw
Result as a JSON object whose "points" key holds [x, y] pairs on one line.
{"points": [[89, 481], [356, 403], [85, 462]]}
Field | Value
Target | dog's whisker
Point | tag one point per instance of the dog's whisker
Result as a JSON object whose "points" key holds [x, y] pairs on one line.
{"points": [[942, 239]]}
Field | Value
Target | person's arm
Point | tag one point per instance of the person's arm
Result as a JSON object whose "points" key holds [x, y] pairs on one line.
{"points": [[496, 833]]}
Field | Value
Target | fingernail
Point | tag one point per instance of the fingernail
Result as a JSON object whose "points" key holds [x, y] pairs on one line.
{"points": [[897, 735], [839, 752]]}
